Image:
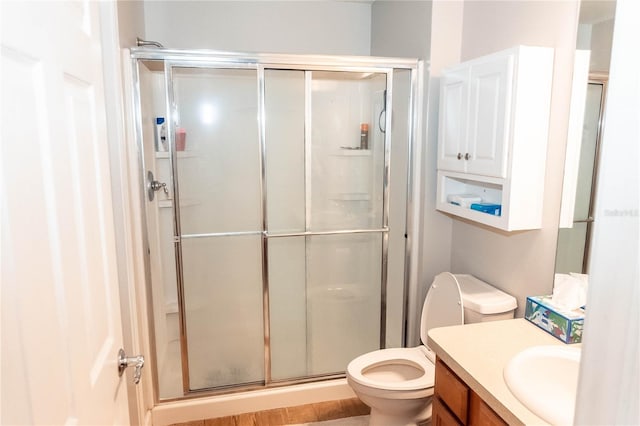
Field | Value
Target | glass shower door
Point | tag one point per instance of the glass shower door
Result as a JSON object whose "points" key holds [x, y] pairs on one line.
{"points": [[325, 174], [216, 159], [277, 217]]}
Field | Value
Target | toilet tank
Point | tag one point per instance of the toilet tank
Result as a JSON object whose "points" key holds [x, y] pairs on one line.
{"points": [[483, 302]]}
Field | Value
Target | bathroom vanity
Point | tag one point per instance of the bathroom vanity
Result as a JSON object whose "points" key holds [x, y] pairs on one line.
{"points": [[455, 403], [469, 385]]}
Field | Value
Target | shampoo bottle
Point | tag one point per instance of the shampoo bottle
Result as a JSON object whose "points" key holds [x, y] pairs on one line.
{"points": [[364, 136], [161, 135]]}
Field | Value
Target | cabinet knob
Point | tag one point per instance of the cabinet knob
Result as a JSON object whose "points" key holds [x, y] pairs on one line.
{"points": [[459, 156], [467, 156]]}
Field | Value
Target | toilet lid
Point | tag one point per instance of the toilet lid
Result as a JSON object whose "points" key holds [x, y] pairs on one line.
{"points": [[442, 306]]}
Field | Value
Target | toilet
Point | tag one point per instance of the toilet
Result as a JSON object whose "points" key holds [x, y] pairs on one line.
{"points": [[398, 383]]}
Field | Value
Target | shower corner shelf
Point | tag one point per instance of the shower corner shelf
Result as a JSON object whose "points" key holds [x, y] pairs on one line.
{"points": [[181, 154], [351, 196], [355, 152], [184, 202], [171, 308]]}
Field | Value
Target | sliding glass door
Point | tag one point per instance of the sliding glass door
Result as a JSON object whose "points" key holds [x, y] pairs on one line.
{"points": [[283, 223], [219, 218], [325, 173]]}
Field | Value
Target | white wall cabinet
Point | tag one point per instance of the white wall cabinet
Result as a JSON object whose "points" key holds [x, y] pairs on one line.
{"points": [[475, 120], [492, 138]]}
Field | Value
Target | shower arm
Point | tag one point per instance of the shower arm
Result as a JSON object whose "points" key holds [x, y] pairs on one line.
{"points": [[140, 42]]}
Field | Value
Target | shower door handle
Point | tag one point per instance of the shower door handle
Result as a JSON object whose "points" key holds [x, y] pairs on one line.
{"points": [[133, 361], [153, 185]]}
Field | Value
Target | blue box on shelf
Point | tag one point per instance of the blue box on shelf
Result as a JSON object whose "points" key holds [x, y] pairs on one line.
{"points": [[489, 208], [562, 324]]}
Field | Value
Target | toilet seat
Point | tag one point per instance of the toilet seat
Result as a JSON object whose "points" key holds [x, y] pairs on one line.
{"points": [[369, 369], [442, 307]]}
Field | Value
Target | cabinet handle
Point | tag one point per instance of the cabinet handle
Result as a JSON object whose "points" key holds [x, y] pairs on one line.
{"points": [[467, 156], [459, 156]]}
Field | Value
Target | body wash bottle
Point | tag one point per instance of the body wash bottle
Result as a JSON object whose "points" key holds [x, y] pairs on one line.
{"points": [[161, 135]]}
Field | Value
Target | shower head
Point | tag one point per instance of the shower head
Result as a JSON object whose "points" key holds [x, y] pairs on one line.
{"points": [[140, 42]]}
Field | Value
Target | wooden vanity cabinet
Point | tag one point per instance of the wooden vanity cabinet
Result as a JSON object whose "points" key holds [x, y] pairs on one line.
{"points": [[455, 404]]}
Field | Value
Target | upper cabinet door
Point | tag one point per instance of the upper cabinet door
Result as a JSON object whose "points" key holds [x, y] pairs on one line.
{"points": [[490, 93], [452, 133]]}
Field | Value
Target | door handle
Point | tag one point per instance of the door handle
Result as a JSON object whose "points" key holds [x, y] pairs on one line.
{"points": [[467, 156], [459, 156], [154, 185], [133, 361]]}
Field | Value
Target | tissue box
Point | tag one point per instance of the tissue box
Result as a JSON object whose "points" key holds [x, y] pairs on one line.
{"points": [[562, 324]]}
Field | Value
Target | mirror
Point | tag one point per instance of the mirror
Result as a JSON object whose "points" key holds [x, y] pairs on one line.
{"points": [[591, 71]]}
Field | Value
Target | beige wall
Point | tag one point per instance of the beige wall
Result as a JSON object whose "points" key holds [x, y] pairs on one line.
{"points": [[445, 28], [601, 40], [521, 263], [313, 27], [446, 33], [398, 29], [431, 31], [130, 22]]}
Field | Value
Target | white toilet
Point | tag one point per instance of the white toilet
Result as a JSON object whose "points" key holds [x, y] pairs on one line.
{"points": [[398, 383]]}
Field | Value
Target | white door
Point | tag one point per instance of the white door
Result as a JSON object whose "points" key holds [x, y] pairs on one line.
{"points": [[61, 326], [490, 88], [452, 133]]}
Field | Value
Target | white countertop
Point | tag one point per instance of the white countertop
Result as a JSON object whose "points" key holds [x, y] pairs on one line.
{"points": [[477, 353]]}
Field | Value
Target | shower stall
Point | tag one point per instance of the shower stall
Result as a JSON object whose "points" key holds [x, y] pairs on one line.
{"points": [[277, 203]]}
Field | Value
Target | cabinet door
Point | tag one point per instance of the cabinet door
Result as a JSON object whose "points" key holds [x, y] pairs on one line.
{"points": [[490, 91], [452, 129], [441, 416], [480, 414], [453, 392]]}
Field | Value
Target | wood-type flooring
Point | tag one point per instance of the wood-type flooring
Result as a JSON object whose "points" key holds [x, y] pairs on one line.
{"points": [[329, 410]]}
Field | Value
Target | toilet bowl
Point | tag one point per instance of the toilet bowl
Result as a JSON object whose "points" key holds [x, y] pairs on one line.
{"points": [[397, 384]]}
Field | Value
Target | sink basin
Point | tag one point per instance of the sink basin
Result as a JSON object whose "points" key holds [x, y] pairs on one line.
{"points": [[545, 379]]}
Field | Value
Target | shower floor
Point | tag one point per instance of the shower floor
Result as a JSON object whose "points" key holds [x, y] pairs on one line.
{"points": [[321, 411]]}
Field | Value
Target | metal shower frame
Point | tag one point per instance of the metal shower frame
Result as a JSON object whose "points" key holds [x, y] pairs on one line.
{"points": [[173, 58]]}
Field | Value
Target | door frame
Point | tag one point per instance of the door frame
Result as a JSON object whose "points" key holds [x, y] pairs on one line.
{"points": [[120, 135]]}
